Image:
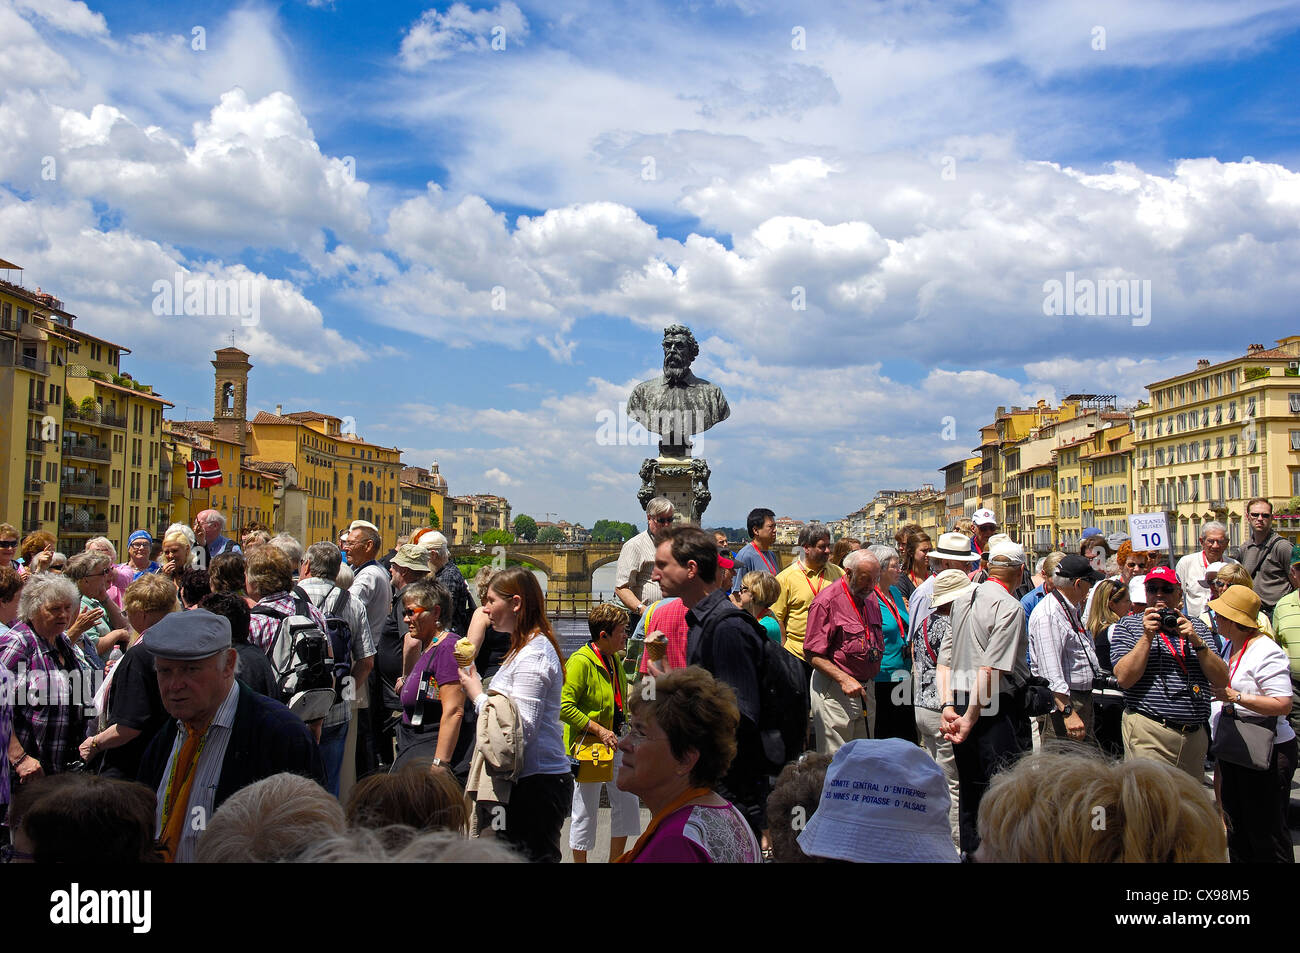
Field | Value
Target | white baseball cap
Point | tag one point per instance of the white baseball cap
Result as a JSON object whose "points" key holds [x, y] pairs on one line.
{"points": [[1006, 551], [1137, 590], [984, 518], [884, 801]]}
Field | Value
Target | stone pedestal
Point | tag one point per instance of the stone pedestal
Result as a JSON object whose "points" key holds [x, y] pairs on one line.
{"points": [[684, 480]]}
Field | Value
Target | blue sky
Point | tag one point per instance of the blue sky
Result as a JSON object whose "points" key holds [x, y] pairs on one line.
{"points": [[383, 175]]}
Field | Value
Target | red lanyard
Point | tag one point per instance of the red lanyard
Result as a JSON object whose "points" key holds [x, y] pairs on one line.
{"points": [[925, 640], [1239, 658], [613, 682], [769, 563], [893, 610], [822, 574], [1178, 656], [866, 630]]}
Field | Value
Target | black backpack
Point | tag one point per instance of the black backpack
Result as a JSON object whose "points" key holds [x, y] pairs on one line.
{"points": [[782, 690], [340, 634]]}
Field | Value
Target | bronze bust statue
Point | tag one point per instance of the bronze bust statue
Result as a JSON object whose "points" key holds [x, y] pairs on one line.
{"points": [[677, 404]]}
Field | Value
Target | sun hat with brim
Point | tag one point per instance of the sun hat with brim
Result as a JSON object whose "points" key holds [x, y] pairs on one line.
{"points": [[412, 557], [1239, 604], [948, 585], [883, 801], [954, 546]]}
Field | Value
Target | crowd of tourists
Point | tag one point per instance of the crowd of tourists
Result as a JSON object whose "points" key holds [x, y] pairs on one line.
{"points": [[211, 699]]}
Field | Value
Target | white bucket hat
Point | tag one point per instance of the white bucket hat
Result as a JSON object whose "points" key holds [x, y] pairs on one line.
{"points": [[883, 801]]}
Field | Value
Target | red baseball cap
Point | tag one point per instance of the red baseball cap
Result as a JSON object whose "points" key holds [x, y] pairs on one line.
{"points": [[726, 563], [1161, 574]]}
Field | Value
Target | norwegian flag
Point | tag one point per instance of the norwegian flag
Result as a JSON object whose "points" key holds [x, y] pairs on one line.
{"points": [[203, 473]]}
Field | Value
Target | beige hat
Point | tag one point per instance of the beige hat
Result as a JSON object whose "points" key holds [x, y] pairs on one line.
{"points": [[948, 585], [410, 556], [1239, 604], [1006, 552]]}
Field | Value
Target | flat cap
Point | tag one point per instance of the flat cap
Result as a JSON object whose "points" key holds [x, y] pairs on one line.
{"points": [[195, 634]]}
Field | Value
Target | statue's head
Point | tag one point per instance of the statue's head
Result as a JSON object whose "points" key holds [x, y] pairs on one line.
{"points": [[680, 350]]}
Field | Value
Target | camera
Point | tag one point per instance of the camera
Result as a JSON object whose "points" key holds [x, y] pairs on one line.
{"points": [[1169, 619], [1105, 683]]}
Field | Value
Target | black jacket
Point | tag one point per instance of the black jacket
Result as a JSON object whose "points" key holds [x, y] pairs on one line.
{"points": [[265, 739]]}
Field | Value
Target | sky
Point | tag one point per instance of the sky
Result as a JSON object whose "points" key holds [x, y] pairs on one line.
{"points": [[463, 227]]}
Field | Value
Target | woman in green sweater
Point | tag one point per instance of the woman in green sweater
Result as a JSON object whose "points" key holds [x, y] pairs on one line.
{"points": [[592, 706]]}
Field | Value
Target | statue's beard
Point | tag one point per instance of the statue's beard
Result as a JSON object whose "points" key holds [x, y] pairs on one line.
{"points": [[675, 375]]}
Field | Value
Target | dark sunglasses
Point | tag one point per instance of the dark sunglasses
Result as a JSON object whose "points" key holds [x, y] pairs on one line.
{"points": [[1159, 589], [8, 544]]}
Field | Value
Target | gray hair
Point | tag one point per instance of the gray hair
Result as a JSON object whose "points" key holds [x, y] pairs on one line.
{"points": [[810, 533], [372, 846], [369, 535], [87, 563], [883, 553], [104, 544], [660, 506], [272, 820], [324, 560], [290, 547], [1038, 566], [855, 556], [344, 578], [1060, 581], [1211, 526], [45, 588], [438, 541]]}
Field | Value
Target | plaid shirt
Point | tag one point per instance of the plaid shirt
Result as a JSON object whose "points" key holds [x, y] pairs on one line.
{"points": [[262, 628], [52, 708]]}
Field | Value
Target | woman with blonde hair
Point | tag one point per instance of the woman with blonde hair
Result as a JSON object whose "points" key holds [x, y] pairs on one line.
{"points": [[1076, 808], [532, 678], [129, 704], [1110, 602], [758, 591], [1218, 577], [177, 545]]}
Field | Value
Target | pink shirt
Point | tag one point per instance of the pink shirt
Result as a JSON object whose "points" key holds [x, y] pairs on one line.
{"points": [[836, 631], [699, 834]]}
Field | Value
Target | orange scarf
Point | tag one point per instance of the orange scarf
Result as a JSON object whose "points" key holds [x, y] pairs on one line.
{"points": [[690, 794], [173, 821]]}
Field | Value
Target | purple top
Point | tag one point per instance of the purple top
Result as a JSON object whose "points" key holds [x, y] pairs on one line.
{"points": [[702, 834], [436, 667]]}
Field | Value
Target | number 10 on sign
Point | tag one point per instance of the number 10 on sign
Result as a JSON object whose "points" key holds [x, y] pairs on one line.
{"points": [[1148, 531]]}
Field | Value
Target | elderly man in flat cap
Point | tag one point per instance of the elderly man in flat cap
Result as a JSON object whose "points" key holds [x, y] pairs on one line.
{"points": [[224, 736]]}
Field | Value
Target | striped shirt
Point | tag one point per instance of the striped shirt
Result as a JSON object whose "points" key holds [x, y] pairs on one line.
{"points": [[1059, 648], [1164, 688], [204, 790]]}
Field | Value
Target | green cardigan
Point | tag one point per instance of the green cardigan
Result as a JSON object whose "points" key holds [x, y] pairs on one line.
{"points": [[588, 694]]}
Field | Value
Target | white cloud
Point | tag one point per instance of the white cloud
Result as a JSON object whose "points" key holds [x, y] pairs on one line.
{"points": [[495, 475], [438, 36], [67, 16]]}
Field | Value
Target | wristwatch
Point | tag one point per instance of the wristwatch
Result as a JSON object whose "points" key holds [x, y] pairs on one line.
{"points": [[1067, 711], [438, 762]]}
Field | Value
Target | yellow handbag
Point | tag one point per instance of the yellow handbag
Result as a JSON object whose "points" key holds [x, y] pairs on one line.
{"points": [[594, 762]]}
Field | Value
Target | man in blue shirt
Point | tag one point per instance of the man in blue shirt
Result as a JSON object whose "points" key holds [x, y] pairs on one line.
{"points": [[208, 528], [757, 555]]}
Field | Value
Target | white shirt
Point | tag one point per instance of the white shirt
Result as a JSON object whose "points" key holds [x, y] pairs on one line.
{"points": [[533, 680], [636, 563], [1191, 574], [1263, 669], [372, 585], [1057, 651], [207, 774]]}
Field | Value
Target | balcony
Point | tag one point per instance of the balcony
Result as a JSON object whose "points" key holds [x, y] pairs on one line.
{"points": [[32, 486], [35, 404], [29, 361], [86, 450], [35, 446], [31, 526], [164, 496], [84, 488], [101, 417], [82, 527]]}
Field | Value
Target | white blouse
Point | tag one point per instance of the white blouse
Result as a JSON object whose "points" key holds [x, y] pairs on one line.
{"points": [[1263, 669], [533, 680]]}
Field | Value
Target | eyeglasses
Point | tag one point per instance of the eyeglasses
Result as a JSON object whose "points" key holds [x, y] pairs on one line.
{"points": [[9, 854], [661, 519], [1159, 589], [8, 544], [744, 588], [1260, 516], [1216, 584]]}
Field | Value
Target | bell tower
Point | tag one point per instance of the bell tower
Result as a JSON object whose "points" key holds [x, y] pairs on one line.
{"points": [[230, 395]]}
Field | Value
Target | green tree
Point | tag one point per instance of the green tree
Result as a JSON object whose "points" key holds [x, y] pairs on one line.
{"points": [[550, 534], [612, 531], [494, 537], [434, 522], [525, 527]]}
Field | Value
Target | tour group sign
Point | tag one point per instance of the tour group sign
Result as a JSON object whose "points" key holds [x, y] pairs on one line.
{"points": [[1148, 531]]}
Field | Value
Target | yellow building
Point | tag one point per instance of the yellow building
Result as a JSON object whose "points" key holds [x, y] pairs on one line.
{"points": [[1038, 507], [477, 513], [422, 491], [1108, 479], [1214, 437], [84, 458]]}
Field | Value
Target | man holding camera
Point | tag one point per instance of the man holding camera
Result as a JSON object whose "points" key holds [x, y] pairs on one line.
{"points": [[1168, 672]]}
